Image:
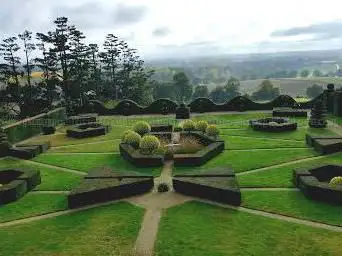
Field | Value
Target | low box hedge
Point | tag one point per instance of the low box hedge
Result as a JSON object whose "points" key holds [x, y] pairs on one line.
{"points": [[311, 138], [137, 159], [327, 146], [182, 112], [28, 152], [314, 183], [265, 124], [220, 189], [32, 178], [12, 191], [199, 157], [42, 147], [289, 112], [47, 130], [93, 191], [161, 128], [81, 119], [86, 130]]}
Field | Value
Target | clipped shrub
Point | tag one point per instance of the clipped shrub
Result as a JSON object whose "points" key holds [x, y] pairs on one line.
{"points": [[188, 125], [123, 136], [133, 139], [148, 144], [142, 128], [336, 181], [178, 128], [212, 130], [163, 187], [201, 125]]}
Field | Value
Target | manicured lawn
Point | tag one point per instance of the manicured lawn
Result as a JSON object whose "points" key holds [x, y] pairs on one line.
{"points": [[232, 142], [107, 230], [52, 179], [248, 160], [199, 229], [282, 176], [106, 146], [85, 162], [32, 205], [298, 134], [292, 203]]}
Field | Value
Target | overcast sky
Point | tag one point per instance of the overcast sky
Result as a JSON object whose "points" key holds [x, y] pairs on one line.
{"points": [[164, 28]]}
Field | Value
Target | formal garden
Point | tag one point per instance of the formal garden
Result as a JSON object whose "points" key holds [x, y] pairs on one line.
{"points": [[223, 183]]}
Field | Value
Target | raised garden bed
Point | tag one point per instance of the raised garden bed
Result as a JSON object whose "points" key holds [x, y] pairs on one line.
{"points": [[17, 182], [290, 112], [273, 124], [325, 144], [86, 130], [208, 149], [314, 183], [102, 184], [218, 185]]}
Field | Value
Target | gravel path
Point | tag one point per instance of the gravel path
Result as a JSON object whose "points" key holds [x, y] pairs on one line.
{"points": [[82, 153], [261, 138]]}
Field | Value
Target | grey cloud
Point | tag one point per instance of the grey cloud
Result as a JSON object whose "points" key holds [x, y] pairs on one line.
{"points": [[161, 32], [320, 31], [127, 15]]}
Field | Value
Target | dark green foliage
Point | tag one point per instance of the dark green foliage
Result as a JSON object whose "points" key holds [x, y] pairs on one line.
{"points": [[161, 128], [27, 152], [289, 112], [15, 183], [314, 183], [183, 88], [163, 187], [201, 91], [32, 126], [182, 112], [82, 119], [266, 91], [314, 90], [178, 128], [4, 144], [327, 146], [318, 115], [47, 130], [161, 106], [142, 128], [273, 124], [86, 130], [98, 190]]}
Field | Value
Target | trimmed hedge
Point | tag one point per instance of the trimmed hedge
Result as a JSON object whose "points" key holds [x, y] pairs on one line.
{"points": [[161, 128], [220, 189], [314, 183], [86, 130], [47, 130], [93, 191], [16, 183], [265, 124], [289, 112], [32, 126], [182, 112], [43, 147], [29, 151], [324, 144], [137, 159], [81, 119]]}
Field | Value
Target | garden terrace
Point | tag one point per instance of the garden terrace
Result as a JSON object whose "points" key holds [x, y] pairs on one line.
{"points": [[314, 183], [263, 163], [273, 124]]}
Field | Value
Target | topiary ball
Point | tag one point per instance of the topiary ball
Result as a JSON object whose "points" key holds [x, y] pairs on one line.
{"points": [[163, 187], [123, 136], [212, 130], [201, 126], [148, 144], [178, 128], [133, 139], [188, 125], [142, 128], [336, 181]]}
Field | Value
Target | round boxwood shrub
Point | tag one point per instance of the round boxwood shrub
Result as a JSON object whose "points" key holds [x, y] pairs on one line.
{"points": [[336, 181], [123, 137], [148, 144], [201, 126], [163, 187], [189, 125], [178, 128], [142, 128], [133, 139], [212, 130]]}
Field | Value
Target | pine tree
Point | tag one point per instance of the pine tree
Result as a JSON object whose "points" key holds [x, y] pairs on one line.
{"points": [[318, 116]]}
